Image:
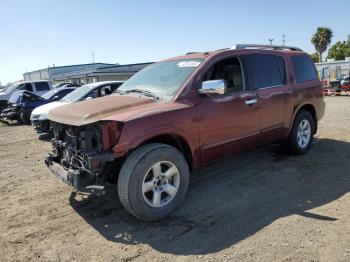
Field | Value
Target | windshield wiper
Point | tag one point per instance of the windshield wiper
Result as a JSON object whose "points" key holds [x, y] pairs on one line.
{"points": [[119, 92], [143, 92]]}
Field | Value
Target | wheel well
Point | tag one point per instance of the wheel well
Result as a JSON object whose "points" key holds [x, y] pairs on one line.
{"points": [[312, 111], [176, 141]]}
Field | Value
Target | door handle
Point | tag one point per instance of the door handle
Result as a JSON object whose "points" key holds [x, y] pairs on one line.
{"points": [[250, 102]]}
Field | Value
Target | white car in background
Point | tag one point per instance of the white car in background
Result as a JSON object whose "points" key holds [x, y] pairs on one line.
{"points": [[39, 115], [37, 87]]}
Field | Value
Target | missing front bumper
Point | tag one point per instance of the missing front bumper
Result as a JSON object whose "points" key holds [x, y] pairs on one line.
{"points": [[80, 180], [74, 178]]}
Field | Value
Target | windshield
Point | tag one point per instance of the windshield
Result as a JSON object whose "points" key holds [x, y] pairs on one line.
{"points": [[162, 79], [49, 94], [10, 89], [79, 93]]}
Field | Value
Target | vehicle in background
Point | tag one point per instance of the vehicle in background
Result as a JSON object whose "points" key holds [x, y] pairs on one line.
{"points": [[61, 84], [66, 84], [181, 114], [345, 84], [72, 85], [39, 115], [36, 87], [335, 85], [22, 103]]}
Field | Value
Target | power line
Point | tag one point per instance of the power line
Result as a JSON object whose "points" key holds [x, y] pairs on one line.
{"points": [[283, 39]]}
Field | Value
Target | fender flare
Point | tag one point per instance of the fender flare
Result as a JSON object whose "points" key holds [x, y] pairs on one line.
{"points": [[297, 110]]}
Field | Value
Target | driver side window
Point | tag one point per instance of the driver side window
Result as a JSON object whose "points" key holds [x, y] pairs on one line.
{"points": [[230, 70], [25, 86], [106, 90]]}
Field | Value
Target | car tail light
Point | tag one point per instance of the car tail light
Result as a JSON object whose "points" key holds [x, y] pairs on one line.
{"points": [[110, 134]]}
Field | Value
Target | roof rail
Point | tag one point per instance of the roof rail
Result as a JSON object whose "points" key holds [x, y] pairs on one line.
{"points": [[273, 47]]}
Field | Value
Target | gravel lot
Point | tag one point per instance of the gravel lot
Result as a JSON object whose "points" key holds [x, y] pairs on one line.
{"points": [[262, 205]]}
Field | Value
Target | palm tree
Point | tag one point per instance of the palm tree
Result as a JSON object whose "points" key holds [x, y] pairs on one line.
{"points": [[321, 39]]}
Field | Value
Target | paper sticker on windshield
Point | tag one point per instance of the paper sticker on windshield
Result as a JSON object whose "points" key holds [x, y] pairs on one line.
{"points": [[189, 64]]}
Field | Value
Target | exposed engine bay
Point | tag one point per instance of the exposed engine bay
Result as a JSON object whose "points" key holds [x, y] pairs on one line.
{"points": [[82, 152]]}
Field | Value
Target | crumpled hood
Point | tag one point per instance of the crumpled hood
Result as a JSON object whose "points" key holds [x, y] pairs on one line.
{"points": [[93, 110]]}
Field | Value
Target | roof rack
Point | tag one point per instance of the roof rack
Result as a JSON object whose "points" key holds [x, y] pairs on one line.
{"points": [[273, 47]]}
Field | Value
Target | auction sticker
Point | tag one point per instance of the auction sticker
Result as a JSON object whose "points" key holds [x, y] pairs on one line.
{"points": [[189, 64]]}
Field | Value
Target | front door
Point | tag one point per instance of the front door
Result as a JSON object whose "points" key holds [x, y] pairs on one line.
{"points": [[228, 123]]}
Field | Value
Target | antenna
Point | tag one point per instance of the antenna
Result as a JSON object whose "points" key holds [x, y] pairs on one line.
{"points": [[93, 57], [271, 40]]}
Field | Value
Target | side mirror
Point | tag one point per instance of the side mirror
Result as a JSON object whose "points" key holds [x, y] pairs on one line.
{"points": [[214, 87]]}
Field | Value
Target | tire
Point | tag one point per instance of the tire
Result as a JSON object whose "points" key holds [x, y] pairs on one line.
{"points": [[25, 116], [134, 173], [294, 145]]}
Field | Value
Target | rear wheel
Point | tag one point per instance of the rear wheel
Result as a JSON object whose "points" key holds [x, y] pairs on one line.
{"points": [[302, 133], [153, 181]]}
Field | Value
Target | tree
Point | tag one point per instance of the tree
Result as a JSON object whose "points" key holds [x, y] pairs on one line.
{"points": [[347, 49], [321, 39], [315, 57], [339, 50]]}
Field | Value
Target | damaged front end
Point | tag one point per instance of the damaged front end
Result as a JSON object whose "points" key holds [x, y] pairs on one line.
{"points": [[82, 154], [11, 113], [19, 107]]}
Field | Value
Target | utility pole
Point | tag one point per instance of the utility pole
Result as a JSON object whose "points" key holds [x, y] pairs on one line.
{"points": [[271, 40], [283, 39], [93, 57]]}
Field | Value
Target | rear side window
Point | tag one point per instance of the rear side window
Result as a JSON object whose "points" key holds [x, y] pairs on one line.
{"points": [[304, 69], [265, 71], [42, 86]]}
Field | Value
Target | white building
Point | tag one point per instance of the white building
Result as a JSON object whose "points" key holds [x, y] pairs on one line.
{"points": [[85, 73]]}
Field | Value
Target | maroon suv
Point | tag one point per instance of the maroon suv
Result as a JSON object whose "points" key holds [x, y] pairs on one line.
{"points": [[182, 113]]}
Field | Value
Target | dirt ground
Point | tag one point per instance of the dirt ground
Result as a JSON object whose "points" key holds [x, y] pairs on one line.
{"points": [[262, 205]]}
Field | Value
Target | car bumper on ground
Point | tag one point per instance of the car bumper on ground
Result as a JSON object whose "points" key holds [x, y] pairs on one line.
{"points": [[74, 178], [85, 180]]}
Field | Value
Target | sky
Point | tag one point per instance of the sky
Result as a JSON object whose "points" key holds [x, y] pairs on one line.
{"points": [[36, 34]]}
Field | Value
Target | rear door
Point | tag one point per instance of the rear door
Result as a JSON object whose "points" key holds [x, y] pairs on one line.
{"points": [[275, 93]]}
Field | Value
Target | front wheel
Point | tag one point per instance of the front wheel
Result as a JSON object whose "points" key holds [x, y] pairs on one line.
{"points": [[153, 181], [302, 133], [25, 116]]}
